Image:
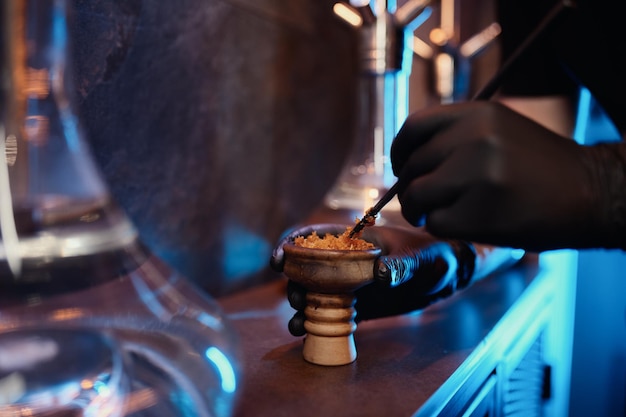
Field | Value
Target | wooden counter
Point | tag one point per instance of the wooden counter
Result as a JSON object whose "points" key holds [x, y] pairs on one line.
{"points": [[440, 361]]}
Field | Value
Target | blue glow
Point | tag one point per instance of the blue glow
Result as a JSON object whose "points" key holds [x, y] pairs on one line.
{"points": [[225, 369], [597, 378], [592, 123], [149, 298], [70, 128], [245, 253], [517, 254], [561, 262], [101, 388], [582, 115], [395, 105], [183, 403], [419, 20], [59, 28], [59, 39], [210, 321]]}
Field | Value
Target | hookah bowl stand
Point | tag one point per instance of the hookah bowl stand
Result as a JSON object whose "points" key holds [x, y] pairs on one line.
{"points": [[330, 277]]}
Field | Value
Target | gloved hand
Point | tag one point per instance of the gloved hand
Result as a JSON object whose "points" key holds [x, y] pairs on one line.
{"points": [[413, 270], [481, 172]]}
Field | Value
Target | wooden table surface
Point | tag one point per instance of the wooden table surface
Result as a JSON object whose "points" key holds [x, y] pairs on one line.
{"points": [[402, 361]]}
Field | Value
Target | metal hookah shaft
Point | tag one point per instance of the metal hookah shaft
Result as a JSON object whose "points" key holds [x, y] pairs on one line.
{"points": [[484, 93]]}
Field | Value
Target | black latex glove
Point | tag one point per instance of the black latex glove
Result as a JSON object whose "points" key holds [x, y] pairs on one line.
{"points": [[413, 270], [481, 172]]}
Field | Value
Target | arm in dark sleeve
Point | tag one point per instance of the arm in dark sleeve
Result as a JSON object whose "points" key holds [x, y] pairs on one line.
{"points": [[584, 48], [607, 166], [539, 71]]}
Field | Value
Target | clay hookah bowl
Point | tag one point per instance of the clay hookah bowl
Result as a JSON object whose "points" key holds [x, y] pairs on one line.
{"points": [[330, 278]]}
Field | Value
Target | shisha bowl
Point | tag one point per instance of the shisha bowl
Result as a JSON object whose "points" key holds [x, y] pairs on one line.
{"points": [[330, 278]]}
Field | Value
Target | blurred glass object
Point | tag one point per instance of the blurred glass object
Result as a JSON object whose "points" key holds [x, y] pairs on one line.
{"points": [[35, 376], [450, 58], [385, 65], [91, 323]]}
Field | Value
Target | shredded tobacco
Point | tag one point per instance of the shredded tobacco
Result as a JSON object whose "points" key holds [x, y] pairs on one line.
{"points": [[330, 241]]}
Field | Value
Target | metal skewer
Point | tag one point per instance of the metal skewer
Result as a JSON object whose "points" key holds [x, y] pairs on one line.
{"points": [[485, 93], [372, 212]]}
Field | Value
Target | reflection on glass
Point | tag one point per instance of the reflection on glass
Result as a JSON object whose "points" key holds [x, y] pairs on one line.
{"points": [[44, 370], [91, 323]]}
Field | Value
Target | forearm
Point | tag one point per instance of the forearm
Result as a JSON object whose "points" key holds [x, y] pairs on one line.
{"points": [[606, 165], [556, 113], [605, 226]]}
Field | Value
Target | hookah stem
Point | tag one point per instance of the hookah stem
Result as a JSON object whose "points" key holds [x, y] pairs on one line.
{"points": [[485, 93]]}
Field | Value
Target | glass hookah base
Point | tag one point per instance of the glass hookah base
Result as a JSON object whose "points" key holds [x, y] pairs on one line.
{"points": [[44, 373]]}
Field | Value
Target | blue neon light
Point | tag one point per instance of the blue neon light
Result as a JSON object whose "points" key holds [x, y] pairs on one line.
{"points": [[224, 367]]}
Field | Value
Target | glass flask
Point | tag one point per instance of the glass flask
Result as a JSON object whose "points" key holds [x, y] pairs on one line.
{"points": [[385, 56], [91, 323]]}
